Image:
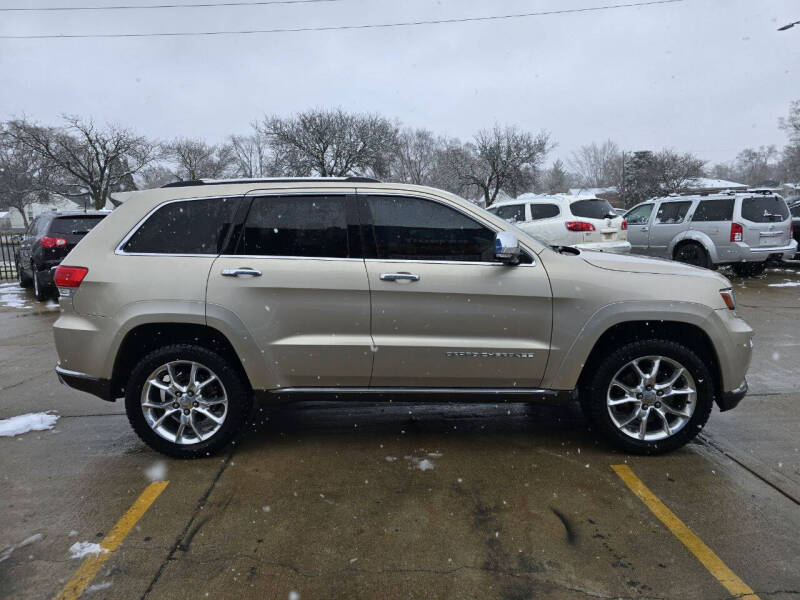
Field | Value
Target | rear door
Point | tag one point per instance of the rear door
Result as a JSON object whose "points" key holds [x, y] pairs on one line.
{"points": [[444, 312], [713, 217], [766, 221], [296, 279], [670, 220]]}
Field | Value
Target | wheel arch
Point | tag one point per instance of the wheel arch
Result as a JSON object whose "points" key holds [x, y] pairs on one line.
{"points": [[697, 237], [145, 337], [687, 334]]}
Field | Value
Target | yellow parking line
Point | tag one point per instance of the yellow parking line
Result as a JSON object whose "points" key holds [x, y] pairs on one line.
{"points": [[703, 553], [89, 568]]}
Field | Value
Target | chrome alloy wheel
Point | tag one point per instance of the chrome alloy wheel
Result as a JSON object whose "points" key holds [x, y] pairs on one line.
{"points": [[651, 398], [184, 402]]}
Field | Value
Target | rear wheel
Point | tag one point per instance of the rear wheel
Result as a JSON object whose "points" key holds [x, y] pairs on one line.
{"points": [[649, 397], [692, 253], [24, 280], [186, 401], [749, 269]]}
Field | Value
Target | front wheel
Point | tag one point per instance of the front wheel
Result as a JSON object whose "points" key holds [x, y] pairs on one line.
{"points": [[649, 397], [186, 401], [693, 254]]}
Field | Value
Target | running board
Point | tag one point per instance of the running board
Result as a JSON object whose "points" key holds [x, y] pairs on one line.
{"points": [[371, 394]]}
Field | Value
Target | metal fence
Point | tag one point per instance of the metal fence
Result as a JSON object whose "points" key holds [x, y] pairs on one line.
{"points": [[9, 244]]}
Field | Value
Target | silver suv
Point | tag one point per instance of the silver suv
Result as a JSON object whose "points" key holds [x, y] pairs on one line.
{"points": [[743, 230], [190, 301]]}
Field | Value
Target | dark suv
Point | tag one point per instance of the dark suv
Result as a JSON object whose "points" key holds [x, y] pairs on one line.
{"points": [[47, 241]]}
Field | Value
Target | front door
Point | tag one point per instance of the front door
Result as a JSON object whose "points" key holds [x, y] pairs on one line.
{"points": [[297, 281], [668, 223], [638, 219], [444, 312]]}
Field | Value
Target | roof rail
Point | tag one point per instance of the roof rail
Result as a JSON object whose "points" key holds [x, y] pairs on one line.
{"points": [[193, 182]]}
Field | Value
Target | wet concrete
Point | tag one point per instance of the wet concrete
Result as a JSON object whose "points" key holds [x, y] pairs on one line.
{"points": [[345, 500]]}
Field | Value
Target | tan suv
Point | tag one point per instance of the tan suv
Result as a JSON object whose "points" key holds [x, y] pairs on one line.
{"points": [[191, 300]]}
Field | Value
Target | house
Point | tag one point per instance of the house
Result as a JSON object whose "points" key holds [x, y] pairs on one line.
{"points": [[5, 221], [55, 202]]}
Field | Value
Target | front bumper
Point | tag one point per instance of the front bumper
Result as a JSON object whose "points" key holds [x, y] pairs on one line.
{"points": [[729, 400], [85, 383], [605, 246]]}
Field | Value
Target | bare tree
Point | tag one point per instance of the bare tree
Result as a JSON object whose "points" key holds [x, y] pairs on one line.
{"points": [[102, 160], [155, 176], [25, 176], [676, 171], [252, 156], [416, 156], [196, 159], [500, 159], [791, 124], [331, 143], [598, 165]]}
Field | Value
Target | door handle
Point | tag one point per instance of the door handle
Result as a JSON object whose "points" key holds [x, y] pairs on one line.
{"points": [[645, 229], [399, 277], [240, 271]]}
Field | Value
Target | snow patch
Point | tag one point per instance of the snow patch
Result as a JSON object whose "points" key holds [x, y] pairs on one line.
{"points": [[425, 465], [27, 422], [13, 296], [81, 549], [157, 471], [98, 587], [7, 552], [787, 284]]}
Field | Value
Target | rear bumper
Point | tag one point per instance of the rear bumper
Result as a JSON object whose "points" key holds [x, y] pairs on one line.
{"points": [[729, 400], [85, 383], [759, 254]]}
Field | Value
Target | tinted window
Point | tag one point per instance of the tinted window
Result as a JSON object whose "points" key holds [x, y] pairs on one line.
{"points": [[764, 209], [639, 215], [514, 212], [74, 225], [544, 211], [592, 209], [415, 229], [670, 213], [796, 211], [314, 226], [185, 227], [714, 210]]}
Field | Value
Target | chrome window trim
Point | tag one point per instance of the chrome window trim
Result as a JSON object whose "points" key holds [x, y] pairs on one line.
{"points": [[459, 209], [279, 256], [120, 252], [449, 262]]}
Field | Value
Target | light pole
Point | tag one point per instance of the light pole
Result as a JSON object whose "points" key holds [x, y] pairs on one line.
{"points": [[789, 26]]}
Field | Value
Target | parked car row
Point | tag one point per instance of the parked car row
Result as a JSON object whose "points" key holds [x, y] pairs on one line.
{"points": [[745, 230]]}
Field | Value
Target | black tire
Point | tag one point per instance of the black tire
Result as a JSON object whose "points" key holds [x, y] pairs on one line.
{"points": [[40, 290], [692, 253], [238, 393], [749, 269], [593, 395], [24, 280]]}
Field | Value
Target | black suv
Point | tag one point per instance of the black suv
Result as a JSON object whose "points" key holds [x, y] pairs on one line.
{"points": [[794, 208], [47, 241]]}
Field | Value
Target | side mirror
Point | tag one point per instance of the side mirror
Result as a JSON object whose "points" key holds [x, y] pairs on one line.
{"points": [[506, 247]]}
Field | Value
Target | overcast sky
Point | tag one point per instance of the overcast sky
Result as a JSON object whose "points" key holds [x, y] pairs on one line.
{"points": [[706, 76]]}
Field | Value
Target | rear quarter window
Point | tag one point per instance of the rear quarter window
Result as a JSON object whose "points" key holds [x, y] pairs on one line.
{"points": [[764, 209], [544, 211], [185, 227], [714, 210]]}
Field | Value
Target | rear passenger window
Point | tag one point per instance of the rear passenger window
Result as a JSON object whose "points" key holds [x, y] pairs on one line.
{"points": [[671, 213], [312, 226], [185, 227], [544, 211], [764, 209], [514, 212], [714, 210]]}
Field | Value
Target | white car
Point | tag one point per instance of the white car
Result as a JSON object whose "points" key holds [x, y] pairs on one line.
{"points": [[584, 222]]}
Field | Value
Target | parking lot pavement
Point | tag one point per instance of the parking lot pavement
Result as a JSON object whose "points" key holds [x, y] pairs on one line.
{"points": [[325, 500]]}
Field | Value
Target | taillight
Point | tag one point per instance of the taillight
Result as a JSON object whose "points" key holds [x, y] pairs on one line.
{"points": [[51, 242], [579, 226], [68, 279], [624, 226], [737, 232]]}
